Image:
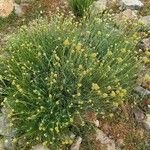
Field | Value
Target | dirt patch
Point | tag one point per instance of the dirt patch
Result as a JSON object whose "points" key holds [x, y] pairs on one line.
{"points": [[51, 6]]}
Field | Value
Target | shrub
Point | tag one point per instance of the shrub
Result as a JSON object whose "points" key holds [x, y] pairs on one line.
{"points": [[58, 71], [79, 7]]}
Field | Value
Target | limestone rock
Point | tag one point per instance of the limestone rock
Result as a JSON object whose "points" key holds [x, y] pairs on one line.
{"points": [[145, 20], [144, 44], [105, 140], [126, 15], [142, 91], [130, 4], [76, 144], [1, 145], [3, 125], [22, 9], [40, 147], [145, 23], [6, 7], [138, 114], [147, 122]]}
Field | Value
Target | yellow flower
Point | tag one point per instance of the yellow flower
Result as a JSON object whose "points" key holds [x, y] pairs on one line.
{"points": [[113, 94], [80, 67], [45, 143], [95, 87], [147, 53], [70, 141], [63, 143], [111, 115], [124, 91], [105, 95], [109, 53], [119, 60], [51, 129], [14, 140], [146, 60], [109, 87], [90, 101], [55, 75], [115, 104], [78, 94], [57, 103], [123, 50], [66, 42], [117, 91], [39, 54], [121, 94], [56, 129], [78, 46], [99, 32], [147, 77], [59, 38], [94, 55], [71, 119], [13, 82], [79, 84]]}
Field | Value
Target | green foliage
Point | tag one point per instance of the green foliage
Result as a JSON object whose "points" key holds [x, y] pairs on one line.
{"points": [[5, 22], [58, 70], [79, 7]]}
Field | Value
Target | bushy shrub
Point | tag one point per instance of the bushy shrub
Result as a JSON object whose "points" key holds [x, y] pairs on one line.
{"points": [[58, 71], [79, 7]]}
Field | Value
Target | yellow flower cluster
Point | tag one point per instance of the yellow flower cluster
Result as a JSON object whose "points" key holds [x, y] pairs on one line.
{"points": [[146, 59], [66, 42], [78, 47], [95, 87], [147, 77]]}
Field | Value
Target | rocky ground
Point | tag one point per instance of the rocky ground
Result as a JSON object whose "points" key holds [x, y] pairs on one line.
{"points": [[130, 129]]}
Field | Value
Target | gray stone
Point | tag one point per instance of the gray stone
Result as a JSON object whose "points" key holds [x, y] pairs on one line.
{"points": [[2, 125], [130, 4], [126, 15], [142, 91], [138, 114], [147, 122], [22, 9], [5, 130], [145, 22], [105, 140], [8, 144], [1, 145], [40, 147], [144, 44], [76, 144]]}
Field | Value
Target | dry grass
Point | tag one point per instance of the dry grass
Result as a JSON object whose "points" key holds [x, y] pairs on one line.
{"points": [[51, 6], [146, 9]]}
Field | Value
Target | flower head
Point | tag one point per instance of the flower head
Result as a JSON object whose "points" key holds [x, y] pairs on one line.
{"points": [[66, 42], [95, 87], [78, 46]]}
